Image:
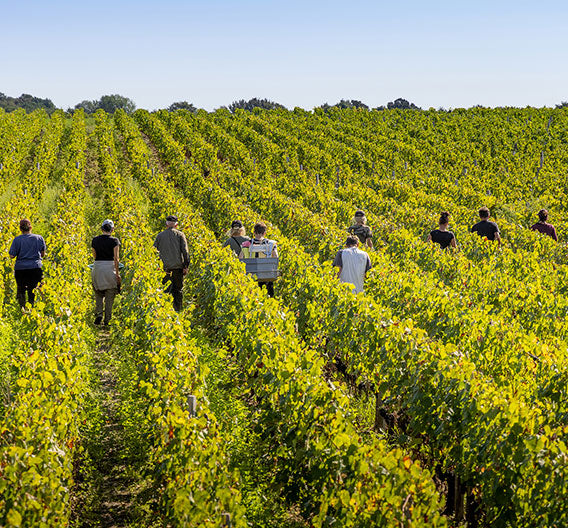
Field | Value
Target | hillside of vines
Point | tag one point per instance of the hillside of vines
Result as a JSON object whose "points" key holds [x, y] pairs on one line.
{"points": [[438, 397]]}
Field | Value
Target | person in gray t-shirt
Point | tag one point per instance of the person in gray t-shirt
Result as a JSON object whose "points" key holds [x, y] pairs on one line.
{"points": [[172, 246], [353, 264]]}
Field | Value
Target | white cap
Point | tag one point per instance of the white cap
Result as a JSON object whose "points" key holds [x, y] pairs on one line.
{"points": [[109, 223]]}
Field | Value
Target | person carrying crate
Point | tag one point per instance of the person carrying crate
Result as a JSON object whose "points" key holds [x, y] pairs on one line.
{"points": [[260, 256]]}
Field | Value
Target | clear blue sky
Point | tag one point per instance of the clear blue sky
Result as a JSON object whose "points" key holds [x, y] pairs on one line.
{"points": [[433, 53]]}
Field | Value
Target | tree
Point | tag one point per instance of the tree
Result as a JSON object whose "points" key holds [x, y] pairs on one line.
{"points": [[182, 105], [402, 104], [251, 104], [111, 103], [108, 103], [563, 104], [345, 103], [90, 107], [26, 101]]}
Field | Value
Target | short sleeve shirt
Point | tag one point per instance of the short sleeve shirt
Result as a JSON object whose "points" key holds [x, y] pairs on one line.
{"points": [[486, 228], [354, 263], [362, 232], [27, 249], [545, 229], [235, 243], [444, 238], [104, 247]]}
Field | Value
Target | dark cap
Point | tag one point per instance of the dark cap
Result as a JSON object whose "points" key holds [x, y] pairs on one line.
{"points": [[359, 213], [171, 218], [236, 224]]}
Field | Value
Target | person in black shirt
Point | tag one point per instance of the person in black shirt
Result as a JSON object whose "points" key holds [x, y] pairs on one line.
{"points": [[485, 228], [105, 276], [441, 235]]}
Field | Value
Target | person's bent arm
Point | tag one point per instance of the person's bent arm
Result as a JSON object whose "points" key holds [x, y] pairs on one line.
{"points": [[369, 243], [429, 238], [94, 253], [275, 252], [14, 249], [453, 243], [498, 237], [554, 235], [184, 253], [116, 261], [339, 272]]}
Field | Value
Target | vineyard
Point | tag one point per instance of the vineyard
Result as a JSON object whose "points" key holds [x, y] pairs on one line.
{"points": [[439, 397]]}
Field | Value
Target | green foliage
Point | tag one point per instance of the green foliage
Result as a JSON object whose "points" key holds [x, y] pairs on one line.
{"points": [[253, 103], [108, 103], [182, 105], [27, 102]]}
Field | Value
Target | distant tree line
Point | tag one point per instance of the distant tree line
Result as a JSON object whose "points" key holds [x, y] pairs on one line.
{"points": [[26, 101], [111, 103], [108, 103], [253, 103]]}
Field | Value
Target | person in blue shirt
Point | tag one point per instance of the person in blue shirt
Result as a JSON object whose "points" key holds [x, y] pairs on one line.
{"points": [[28, 250]]}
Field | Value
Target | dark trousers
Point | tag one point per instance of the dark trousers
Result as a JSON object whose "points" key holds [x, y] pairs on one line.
{"points": [[26, 281], [175, 278], [106, 297], [269, 287]]}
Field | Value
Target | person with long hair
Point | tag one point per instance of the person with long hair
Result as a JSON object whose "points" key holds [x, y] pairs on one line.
{"points": [[441, 235], [104, 274], [28, 250], [360, 229], [236, 237], [542, 226]]}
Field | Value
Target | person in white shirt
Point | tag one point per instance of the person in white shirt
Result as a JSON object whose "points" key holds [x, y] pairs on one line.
{"points": [[353, 264]]}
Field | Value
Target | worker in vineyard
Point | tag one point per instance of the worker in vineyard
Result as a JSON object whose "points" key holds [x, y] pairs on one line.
{"points": [[28, 250], [260, 247], [542, 226], [236, 237], [485, 227], [441, 235], [360, 229], [353, 264], [172, 246], [105, 271]]}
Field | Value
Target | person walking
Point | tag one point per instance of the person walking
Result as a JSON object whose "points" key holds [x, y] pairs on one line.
{"points": [[105, 272], [260, 247], [441, 235], [28, 250], [353, 264], [172, 246], [542, 226], [485, 227], [236, 237], [360, 229]]}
